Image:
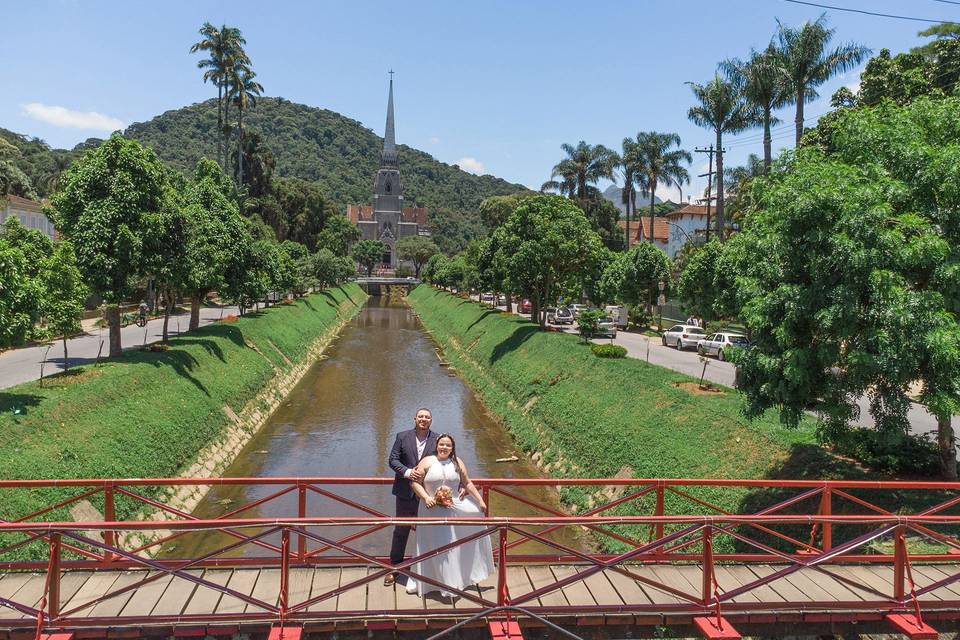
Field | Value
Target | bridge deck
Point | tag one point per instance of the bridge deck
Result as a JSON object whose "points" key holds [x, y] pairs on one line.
{"points": [[174, 601]]}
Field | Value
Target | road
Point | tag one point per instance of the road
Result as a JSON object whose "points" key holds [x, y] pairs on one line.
{"points": [[688, 362], [22, 365]]}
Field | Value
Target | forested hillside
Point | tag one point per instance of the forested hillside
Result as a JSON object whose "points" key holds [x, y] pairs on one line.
{"points": [[319, 145]]}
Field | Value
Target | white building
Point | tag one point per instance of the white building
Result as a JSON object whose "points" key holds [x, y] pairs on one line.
{"points": [[28, 212], [685, 224]]}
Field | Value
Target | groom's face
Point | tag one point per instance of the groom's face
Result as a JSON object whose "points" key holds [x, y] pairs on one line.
{"points": [[423, 420]]}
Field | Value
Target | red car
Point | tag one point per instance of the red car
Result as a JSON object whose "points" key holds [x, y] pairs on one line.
{"points": [[525, 306]]}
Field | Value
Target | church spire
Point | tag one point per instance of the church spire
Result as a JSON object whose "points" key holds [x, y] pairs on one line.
{"points": [[389, 137]]}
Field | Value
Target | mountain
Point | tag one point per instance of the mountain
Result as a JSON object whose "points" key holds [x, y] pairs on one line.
{"points": [[613, 194], [320, 145]]}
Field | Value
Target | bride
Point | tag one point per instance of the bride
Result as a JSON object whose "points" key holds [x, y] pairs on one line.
{"points": [[468, 563]]}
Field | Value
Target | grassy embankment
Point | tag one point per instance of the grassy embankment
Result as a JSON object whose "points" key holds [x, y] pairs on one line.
{"points": [[148, 414], [585, 416]]}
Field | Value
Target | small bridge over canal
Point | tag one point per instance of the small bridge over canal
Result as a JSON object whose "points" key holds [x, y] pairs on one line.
{"points": [[660, 558], [382, 286]]}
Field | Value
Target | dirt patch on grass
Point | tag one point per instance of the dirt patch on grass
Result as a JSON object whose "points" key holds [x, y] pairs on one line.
{"points": [[697, 390], [74, 376]]}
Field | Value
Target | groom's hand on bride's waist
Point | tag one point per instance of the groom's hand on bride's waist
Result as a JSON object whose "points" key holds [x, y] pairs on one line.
{"points": [[414, 475]]}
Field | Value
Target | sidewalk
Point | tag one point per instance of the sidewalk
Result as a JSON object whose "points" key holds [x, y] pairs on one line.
{"points": [[22, 365]]}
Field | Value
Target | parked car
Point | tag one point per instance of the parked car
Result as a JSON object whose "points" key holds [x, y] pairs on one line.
{"points": [[682, 336], [619, 314], [606, 328], [577, 309], [487, 297], [717, 344], [525, 306], [563, 316], [550, 313]]}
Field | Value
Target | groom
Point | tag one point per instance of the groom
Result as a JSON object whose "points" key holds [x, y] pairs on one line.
{"points": [[409, 447]]}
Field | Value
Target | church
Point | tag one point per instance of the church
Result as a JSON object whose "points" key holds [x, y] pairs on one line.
{"points": [[388, 220]]}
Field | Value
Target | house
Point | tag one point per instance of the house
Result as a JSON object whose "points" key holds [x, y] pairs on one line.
{"points": [[28, 212], [687, 223], [639, 232]]}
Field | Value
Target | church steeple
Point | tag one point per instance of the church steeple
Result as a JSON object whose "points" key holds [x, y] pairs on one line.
{"points": [[389, 157]]}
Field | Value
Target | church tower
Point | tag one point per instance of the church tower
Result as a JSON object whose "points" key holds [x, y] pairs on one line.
{"points": [[387, 192], [388, 220]]}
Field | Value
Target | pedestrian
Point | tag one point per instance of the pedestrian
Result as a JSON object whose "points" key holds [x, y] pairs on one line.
{"points": [[408, 449]]}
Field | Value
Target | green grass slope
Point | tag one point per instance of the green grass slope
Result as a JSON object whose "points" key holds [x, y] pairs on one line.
{"points": [[149, 414], [597, 417]]}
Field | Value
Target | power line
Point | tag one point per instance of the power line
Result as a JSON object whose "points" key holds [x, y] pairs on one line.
{"points": [[868, 13], [947, 1]]}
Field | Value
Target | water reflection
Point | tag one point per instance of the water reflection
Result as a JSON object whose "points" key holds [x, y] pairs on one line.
{"points": [[341, 421]]}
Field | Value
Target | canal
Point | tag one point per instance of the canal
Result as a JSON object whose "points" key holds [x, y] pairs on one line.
{"points": [[341, 421]]}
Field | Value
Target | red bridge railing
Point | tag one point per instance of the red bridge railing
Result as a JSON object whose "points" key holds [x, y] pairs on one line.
{"points": [[796, 525]]}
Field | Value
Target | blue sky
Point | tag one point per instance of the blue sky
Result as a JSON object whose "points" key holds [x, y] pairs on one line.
{"points": [[495, 86]]}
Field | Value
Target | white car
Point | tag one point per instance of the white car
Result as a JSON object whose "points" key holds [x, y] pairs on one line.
{"points": [[718, 343], [682, 336]]}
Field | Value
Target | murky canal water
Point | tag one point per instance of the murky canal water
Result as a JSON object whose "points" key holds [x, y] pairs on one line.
{"points": [[341, 421]]}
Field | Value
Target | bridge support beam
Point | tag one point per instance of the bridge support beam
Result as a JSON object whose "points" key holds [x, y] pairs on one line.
{"points": [[716, 628], [505, 630], [285, 633], [908, 625]]}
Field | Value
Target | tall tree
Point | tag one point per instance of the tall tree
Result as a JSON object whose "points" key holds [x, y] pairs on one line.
{"points": [[584, 165], [628, 169], [416, 249], [724, 109], [368, 253], [942, 31], [244, 93], [764, 86], [806, 62], [64, 294], [225, 49], [656, 162], [544, 244], [103, 209]]}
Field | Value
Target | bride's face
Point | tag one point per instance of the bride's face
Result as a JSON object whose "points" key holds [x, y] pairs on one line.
{"points": [[444, 448]]}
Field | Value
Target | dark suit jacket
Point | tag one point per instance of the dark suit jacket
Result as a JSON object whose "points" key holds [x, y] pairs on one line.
{"points": [[404, 456]]}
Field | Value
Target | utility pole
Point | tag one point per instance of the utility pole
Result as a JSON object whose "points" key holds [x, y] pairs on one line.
{"points": [[709, 175]]}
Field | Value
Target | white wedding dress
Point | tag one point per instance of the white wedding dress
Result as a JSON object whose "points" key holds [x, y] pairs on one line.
{"points": [[462, 565]]}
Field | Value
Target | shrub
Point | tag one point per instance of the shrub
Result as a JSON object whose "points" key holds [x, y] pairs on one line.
{"points": [[608, 351]]}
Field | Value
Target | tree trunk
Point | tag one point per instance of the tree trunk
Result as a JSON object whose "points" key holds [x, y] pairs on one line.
{"points": [[509, 303], [720, 186], [798, 121], [66, 358], [946, 443], [195, 300], [653, 189], [112, 312], [166, 318], [240, 144], [767, 140], [535, 310], [627, 245]]}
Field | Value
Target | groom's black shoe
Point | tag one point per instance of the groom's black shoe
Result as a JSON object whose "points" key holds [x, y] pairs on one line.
{"points": [[389, 579]]}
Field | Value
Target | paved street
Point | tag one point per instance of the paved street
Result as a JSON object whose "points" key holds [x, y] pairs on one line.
{"points": [[23, 365], [718, 372]]}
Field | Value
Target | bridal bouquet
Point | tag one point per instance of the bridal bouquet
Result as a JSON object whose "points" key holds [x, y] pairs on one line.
{"points": [[443, 497]]}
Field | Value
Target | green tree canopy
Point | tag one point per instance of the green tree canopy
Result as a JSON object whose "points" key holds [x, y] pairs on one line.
{"points": [[416, 249], [545, 244], [337, 235], [103, 208], [634, 277], [851, 280], [64, 294], [368, 254]]}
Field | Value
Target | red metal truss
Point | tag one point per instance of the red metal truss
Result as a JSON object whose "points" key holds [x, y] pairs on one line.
{"points": [[810, 525]]}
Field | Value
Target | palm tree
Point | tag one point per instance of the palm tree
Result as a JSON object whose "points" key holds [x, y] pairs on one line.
{"points": [[566, 186], [585, 165], [627, 167], [805, 62], [245, 91], [225, 48], [656, 163], [723, 109], [764, 86]]}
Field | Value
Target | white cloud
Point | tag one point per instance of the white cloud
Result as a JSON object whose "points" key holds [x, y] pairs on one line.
{"points": [[434, 140], [472, 165], [67, 118]]}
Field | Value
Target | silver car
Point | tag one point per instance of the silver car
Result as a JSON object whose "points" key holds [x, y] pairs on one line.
{"points": [[606, 328], [682, 336], [717, 344], [563, 316]]}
